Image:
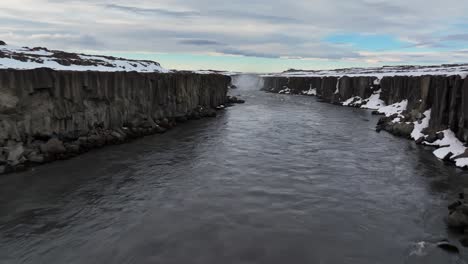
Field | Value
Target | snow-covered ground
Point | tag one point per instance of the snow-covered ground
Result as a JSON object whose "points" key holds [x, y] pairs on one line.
{"points": [[380, 72], [12, 57]]}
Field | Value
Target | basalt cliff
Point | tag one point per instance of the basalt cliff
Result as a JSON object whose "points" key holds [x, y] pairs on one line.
{"points": [[427, 104], [48, 114]]}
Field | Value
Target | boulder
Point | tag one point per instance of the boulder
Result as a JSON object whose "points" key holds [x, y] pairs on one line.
{"points": [[35, 157], [96, 140], [431, 138], [164, 123], [53, 146], [2, 43], [457, 219], [15, 153], [447, 246], [117, 135], [403, 129], [72, 148], [454, 206]]}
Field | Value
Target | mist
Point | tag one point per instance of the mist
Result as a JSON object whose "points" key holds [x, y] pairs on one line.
{"points": [[247, 81]]}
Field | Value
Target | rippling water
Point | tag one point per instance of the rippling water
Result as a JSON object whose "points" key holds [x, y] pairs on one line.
{"points": [[281, 179]]}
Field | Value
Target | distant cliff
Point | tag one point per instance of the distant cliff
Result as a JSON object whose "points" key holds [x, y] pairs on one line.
{"points": [[431, 109], [47, 114]]}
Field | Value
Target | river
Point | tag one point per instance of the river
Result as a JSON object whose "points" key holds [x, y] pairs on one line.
{"points": [[281, 179]]}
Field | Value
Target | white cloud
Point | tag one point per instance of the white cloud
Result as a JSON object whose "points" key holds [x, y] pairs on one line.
{"points": [[244, 27]]}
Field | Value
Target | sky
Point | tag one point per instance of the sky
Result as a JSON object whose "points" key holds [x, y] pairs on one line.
{"points": [[246, 35]]}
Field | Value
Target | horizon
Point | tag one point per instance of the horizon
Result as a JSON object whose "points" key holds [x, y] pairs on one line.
{"points": [[246, 36]]}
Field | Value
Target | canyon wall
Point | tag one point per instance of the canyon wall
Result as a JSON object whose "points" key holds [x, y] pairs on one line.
{"points": [[47, 114], [445, 96]]}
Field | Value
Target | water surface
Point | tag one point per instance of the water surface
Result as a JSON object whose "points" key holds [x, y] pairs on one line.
{"points": [[281, 179]]}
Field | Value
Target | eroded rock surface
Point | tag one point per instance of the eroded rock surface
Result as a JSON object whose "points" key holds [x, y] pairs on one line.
{"points": [[47, 114]]}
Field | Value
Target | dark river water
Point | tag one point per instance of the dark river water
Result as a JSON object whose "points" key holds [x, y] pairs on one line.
{"points": [[281, 179]]}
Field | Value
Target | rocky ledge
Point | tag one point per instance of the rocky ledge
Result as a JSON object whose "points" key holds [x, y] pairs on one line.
{"points": [[430, 109], [47, 115]]}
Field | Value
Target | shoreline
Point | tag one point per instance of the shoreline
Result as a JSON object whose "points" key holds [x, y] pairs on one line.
{"points": [[49, 115], [429, 109]]}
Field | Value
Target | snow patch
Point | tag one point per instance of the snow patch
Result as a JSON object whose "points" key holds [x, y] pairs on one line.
{"points": [[356, 100], [419, 126], [285, 90], [449, 144], [381, 72], [311, 91], [392, 109], [374, 102], [27, 58], [337, 91]]}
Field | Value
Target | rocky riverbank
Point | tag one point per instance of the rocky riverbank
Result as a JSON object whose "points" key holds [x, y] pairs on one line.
{"points": [[48, 115], [430, 109]]}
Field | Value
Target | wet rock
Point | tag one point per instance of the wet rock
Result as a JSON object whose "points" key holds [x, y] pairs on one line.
{"points": [[53, 146], [181, 119], [120, 136], [2, 43], [15, 153], [420, 140], [208, 113], [448, 157], [72, 148], [164, 123], [35, 157], [454, 205], [440, 135], [445, 245], [464, 241], [431, 138], [234, 100], [457, 219], [403, 129], [96, 141]]}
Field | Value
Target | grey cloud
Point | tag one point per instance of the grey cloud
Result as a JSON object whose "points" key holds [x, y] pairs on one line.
{"points": [[200, 42], [158, 11], [457, 37], [247, 53], [255, 16], [255, 28]]}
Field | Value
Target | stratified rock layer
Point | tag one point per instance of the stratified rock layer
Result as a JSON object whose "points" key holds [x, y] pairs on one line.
{"points": [[47, 115]]}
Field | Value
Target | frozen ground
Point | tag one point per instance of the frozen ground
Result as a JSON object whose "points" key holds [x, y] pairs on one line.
{"points": [[12, 57]]}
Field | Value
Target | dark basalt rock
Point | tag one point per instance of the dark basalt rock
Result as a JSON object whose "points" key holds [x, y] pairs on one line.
{"points": [[2, 43], [447, 96], [447, 246], [49, 115], [454, 205], [234, 100]]}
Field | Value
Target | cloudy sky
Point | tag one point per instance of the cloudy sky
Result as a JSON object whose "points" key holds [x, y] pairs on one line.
{"points": [[247, 35]]}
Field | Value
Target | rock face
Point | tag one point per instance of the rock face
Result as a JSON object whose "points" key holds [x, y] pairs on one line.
{"points": [[447, 96], [47, 114]]}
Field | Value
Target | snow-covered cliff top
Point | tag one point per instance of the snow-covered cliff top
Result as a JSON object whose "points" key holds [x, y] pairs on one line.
{"points": [[379, 72], [12, 57]]}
